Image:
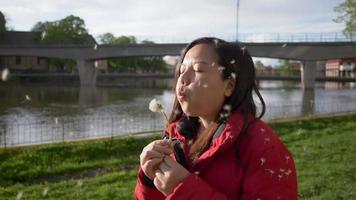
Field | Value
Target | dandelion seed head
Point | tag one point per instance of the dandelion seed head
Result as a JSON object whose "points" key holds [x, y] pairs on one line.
{"points": [[155, 105], [5, 74]]}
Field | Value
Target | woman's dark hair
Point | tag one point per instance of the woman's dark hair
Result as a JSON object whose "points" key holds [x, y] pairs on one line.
{"points": [[236, 63]]}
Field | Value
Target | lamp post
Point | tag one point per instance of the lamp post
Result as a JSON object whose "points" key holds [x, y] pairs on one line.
{"points": [[237, 19]]}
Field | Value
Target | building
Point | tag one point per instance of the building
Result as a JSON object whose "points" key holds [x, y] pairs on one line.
{"points": [[35, 64]]}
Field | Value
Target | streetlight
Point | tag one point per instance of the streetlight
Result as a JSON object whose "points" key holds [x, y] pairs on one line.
{"points": [[237, 19]]}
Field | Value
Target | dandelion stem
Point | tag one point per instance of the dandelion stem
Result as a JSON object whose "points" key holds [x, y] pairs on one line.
{"points": [[167, 120]]}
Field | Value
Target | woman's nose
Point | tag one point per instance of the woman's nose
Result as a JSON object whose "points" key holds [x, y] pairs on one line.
{"points": [[184, 78]]}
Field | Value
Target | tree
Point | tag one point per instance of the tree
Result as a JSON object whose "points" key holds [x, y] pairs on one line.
{"points": [[347, 11], [70, 29], [2, 25], [259, 64], [131, 64]]}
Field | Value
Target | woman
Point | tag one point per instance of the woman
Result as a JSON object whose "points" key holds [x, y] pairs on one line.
{"points": [[227, 151]]}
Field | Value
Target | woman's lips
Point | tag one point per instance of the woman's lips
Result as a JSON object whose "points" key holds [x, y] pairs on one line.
{"points": [[181, 96]]}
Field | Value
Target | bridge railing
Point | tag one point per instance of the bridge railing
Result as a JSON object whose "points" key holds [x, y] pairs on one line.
{"points": [[258, 37]]}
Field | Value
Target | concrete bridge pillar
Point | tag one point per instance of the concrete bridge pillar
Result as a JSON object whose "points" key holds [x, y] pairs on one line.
{"points": [[308, 73], [87, 72]]}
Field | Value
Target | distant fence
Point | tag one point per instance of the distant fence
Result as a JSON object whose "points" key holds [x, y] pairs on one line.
{"points": [[67, 129]]}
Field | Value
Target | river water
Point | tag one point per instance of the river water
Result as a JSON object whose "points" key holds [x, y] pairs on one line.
{"points": [[38, 113]]}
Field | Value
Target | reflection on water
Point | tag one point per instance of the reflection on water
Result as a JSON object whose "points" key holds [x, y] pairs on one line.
{"points": [[61, 113]]}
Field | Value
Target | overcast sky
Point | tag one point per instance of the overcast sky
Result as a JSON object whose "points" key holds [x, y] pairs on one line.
{"points": [[179, 20]]}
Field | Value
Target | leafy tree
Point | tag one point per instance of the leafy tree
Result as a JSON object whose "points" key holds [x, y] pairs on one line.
{"points": [[70, 30], [347, 11], [2, 25], [132, 64]]}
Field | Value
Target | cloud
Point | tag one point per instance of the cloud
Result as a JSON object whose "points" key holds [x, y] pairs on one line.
{"points": [[183, 20]]}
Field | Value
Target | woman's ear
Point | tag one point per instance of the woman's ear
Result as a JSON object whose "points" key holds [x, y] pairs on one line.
{"points": [[229, 86]]}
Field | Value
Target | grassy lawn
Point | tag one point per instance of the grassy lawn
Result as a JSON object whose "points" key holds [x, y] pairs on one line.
{"points": [[324, 150]]}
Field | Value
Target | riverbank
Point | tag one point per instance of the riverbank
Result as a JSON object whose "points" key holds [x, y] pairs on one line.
{"points": [[323, 150]]}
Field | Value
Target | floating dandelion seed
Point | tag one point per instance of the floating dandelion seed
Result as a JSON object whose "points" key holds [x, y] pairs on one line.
{"points": [[267, 139], [270, 171], [27, 98], [233, 75], [282, 170], [19, 195], [80, 183], [287, 158], [197, 173], [263, 160], [96, 64], [190, 142], [56, 120], [232, 62], [227, 107], [216, 42], [205, 85], [280, 176], [284, 45], [95, 47], [5, 74], [213, 64], [288, 172], [43, 35], [262, 130], [243, 49], [45, 192], [221, 68]]}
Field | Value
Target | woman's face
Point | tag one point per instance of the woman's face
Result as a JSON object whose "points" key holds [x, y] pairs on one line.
{"points": [[200, 88]]}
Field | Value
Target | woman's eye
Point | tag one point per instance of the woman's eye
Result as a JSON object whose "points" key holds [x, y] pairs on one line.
{"points": [[197, 68], [182, 68]]}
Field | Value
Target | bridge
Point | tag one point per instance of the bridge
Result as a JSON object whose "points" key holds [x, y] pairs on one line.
{"points": [[306, 52]]}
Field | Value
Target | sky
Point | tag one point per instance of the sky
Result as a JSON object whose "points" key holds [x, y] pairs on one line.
{"points": [[180, 20]]}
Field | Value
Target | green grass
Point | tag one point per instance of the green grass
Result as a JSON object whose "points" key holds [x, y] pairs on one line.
{"points": [[324, 151]]}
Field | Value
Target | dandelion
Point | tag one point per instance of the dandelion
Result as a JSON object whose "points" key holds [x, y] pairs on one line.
{"points": [[95, 47], [156, 106], [43, 35], [45, 192], [19, 195], [5, 74]]}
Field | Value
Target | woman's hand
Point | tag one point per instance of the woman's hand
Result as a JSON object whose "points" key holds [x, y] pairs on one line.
{"points": [[152, 155], [168, 175]]}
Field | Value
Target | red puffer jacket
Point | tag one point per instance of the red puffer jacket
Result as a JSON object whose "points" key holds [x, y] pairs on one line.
{"points": [[265, 171]]}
